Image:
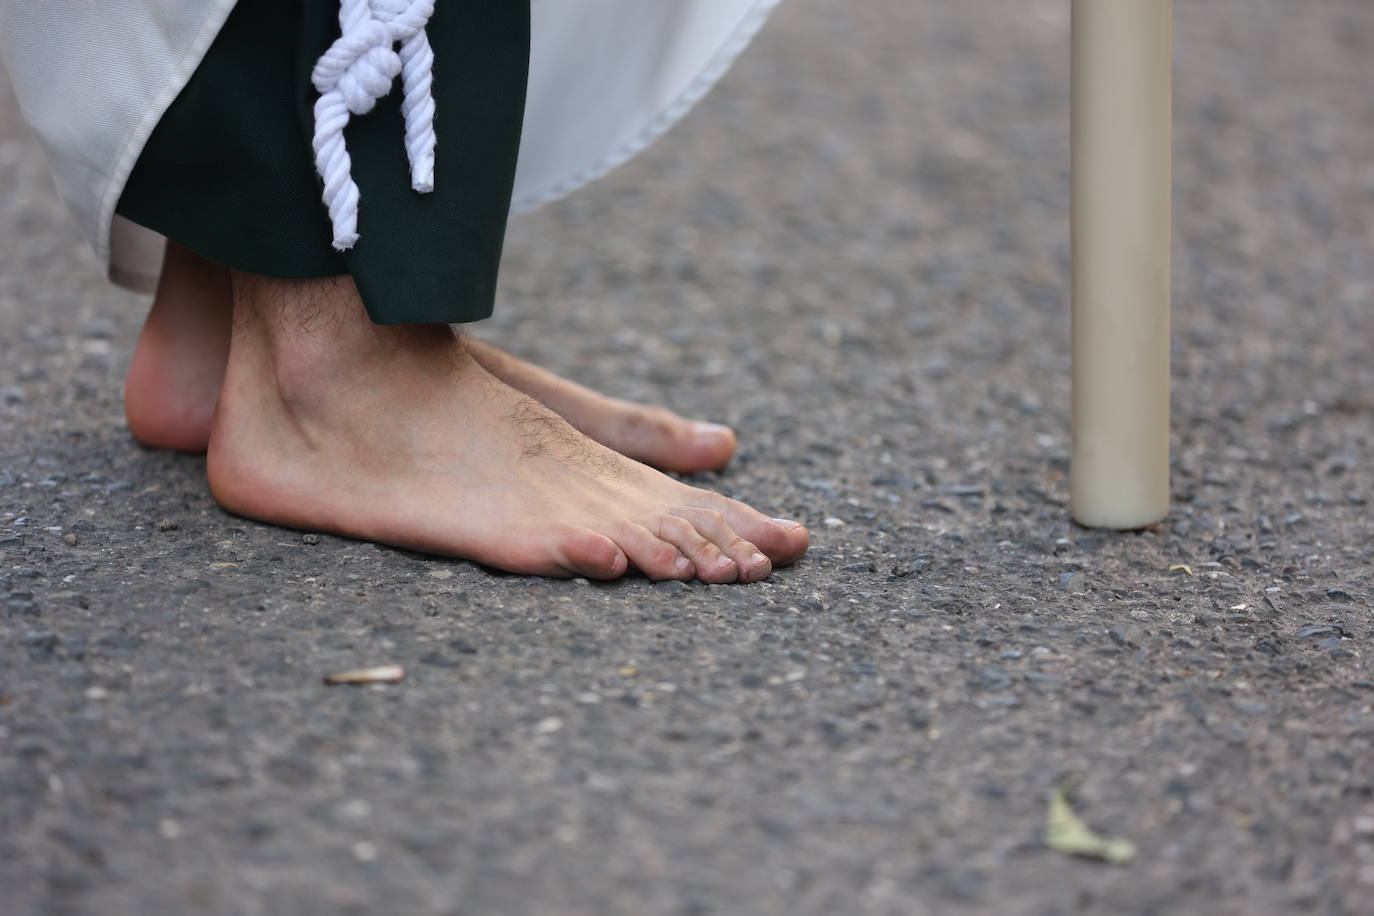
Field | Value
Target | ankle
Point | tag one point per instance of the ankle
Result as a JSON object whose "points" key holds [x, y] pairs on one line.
{"points": [[315, 342]]}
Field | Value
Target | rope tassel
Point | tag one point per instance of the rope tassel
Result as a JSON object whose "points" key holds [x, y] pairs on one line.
{"points": [[356, 72]]}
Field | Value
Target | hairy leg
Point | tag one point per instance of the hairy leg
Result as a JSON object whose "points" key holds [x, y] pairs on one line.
{"points": [[178, 365], [399, 435]]}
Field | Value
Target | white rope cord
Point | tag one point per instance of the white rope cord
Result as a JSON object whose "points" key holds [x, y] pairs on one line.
{"points": [[357, 71]]}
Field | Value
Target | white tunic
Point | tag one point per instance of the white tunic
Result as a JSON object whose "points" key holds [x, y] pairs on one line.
{"points": [[607, 78]]}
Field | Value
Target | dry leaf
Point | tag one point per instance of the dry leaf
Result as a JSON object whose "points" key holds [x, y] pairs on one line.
{"points": [[1065, 832], [383, 674]]}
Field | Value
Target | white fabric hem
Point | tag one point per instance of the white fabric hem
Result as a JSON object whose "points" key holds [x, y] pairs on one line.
{"points": [[661, 123], [133, 146]]}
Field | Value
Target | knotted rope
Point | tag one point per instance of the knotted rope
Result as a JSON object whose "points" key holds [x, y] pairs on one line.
{"points": [[357, 71]]}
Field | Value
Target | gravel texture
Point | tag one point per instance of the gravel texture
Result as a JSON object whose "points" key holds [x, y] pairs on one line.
{"points": [[856, 251]]}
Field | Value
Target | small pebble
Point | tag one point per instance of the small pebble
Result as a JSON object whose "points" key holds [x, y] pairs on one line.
{"points": [[39, 640], [99, 328], [22, 606], [548, 726], [910, 569], [311, 539], [167, 525], [71, 539], [1312, 631], [672, 585], [355, 809]]}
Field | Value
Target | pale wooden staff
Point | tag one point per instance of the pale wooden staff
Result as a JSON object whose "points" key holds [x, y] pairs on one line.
{"points": [[1122, 173]]}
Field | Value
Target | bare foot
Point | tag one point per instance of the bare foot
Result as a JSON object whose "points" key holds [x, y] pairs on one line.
{"points": [[178, 365], [398, 435], [654, 435]]}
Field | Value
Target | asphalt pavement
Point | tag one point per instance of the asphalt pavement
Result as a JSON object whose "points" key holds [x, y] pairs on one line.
{"points": [[855, 251]]}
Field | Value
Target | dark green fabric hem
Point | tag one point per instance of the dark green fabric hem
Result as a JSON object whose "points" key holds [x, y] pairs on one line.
{"points": [[437, 297], [228, 172]]}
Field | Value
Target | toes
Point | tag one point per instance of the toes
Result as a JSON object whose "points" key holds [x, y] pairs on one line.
{"points": [[710, 447], [666, 440], [711, 565], [783, 540], [583, 552], [753, 565], [652, 555], [787, 539]]}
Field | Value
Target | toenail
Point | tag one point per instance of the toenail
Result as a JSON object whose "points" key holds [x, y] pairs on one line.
{"points": [[757, 559], [682, 564], [787, 523], [709, 432]]}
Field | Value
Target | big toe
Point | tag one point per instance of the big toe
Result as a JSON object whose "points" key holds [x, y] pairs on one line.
{"points": [[665, 440]]}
